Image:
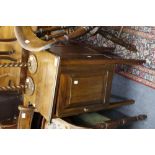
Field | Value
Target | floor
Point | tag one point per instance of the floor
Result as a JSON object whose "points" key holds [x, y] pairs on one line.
{"points": [[144, 97]]}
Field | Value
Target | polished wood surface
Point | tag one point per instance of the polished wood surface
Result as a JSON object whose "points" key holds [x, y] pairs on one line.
{"points": [[79, 88], [29, 41], [45, 80], [25, 117], [85, 79], [73, 54], [7, 33], [10, 51]]}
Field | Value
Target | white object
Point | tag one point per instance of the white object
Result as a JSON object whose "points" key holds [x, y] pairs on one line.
{"points": [[23, 115]]}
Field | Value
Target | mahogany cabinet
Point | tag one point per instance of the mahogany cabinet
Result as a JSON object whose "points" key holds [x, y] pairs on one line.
{"points": [[84, 79], [72, 79]]}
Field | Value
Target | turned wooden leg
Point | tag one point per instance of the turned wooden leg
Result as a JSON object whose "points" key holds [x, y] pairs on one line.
{"points": [[25, 117], [112, 124], [43, 123]]}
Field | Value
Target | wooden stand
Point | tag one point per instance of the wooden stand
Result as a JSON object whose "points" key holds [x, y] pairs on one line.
{"points": [[95, 120]]}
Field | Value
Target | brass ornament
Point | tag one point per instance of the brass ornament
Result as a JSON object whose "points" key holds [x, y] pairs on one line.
{"points": [[30, 87], [33, 64]]}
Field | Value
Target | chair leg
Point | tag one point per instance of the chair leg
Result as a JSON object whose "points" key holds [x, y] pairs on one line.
{"points": [[43, 123], [25, 117], [116, 123]]}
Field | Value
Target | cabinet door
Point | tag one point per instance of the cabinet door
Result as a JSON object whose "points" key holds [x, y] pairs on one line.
{"points": [[80, 92]]}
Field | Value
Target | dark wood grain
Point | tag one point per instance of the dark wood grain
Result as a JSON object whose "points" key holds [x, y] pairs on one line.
{"points": [[79, 88]]}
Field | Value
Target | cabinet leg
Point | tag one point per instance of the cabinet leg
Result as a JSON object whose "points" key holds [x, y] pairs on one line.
{"points": [[113, 105]]}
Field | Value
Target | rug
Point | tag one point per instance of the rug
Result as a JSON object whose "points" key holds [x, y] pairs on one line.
{"points": [[143, 37]]}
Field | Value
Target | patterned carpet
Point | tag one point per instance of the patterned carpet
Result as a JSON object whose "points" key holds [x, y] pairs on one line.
{"points": [[143, 37]]}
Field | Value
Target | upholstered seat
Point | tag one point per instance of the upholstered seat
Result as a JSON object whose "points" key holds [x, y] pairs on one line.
{"points": [[9, 105]]}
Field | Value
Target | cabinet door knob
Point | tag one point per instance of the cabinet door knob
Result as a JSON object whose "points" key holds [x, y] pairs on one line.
{"points": [[85, 109]]}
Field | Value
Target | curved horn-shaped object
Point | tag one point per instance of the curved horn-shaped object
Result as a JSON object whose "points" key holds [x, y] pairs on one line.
{"points": [[29, 41]]}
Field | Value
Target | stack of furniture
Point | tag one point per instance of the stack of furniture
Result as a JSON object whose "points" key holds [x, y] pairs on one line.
{"points": [[63, 83], [71, 80]]}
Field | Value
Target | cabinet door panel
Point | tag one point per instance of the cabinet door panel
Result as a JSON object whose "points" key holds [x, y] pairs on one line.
{"points": [[77, 91], [85, 89]]}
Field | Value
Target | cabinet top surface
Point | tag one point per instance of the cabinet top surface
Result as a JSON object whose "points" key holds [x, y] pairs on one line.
{"points": [[72, 51], [73, 54]]}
